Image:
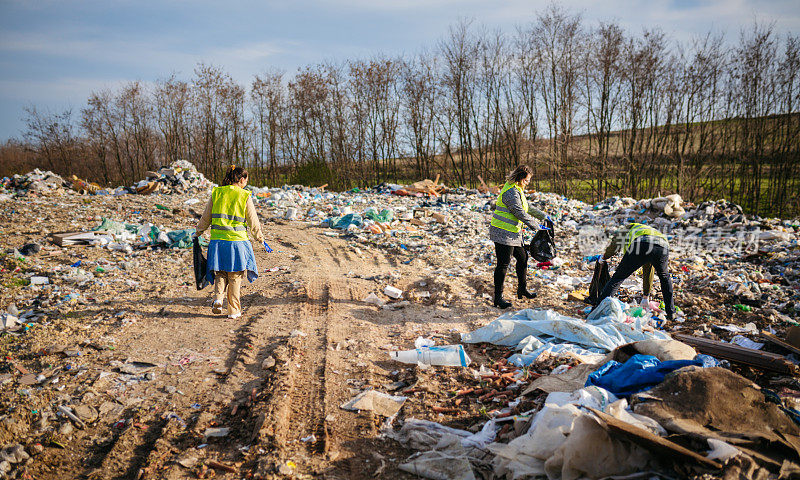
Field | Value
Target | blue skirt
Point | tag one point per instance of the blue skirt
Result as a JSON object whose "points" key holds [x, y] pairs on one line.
{"points": [[231, 256]]}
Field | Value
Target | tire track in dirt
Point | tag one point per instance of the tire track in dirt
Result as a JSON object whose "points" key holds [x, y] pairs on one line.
{"points": [[308, 405], [129, 450], [295, 408]]}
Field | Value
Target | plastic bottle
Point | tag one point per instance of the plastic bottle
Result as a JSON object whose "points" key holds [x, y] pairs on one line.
{"points": [[445, 355]]}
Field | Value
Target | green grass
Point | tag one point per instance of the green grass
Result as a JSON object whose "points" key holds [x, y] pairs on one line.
{"points": [[16, 282]]}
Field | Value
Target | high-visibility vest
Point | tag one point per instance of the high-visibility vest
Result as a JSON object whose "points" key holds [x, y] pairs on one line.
{"points": [[229, 213], [502, 217], [637, 230]]}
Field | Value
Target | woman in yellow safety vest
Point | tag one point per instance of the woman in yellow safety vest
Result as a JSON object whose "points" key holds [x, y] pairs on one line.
{"points": [[646, 248], [505, 231], [229, 212]]}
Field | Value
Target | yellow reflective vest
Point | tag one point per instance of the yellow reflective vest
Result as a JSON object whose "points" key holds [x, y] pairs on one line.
{"points": [[502, 217], [638, 230], [229, 213]]}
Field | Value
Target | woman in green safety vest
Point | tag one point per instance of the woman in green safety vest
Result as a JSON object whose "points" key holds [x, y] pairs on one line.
{"points": [[505, 231], [229, 212], [645, 248]]}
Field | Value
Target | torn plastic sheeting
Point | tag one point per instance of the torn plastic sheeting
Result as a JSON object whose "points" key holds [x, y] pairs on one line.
{"points": [[116, 228], [447, 452], [438, 466], [344, 222], [425, 435], [530, 355], [564, 442], [609, 307], [385, 216], [720, 450], [182, 238], [640, 372], [546, 325], [599, 332]]}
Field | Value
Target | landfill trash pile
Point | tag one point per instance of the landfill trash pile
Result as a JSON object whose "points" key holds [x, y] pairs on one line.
{"points": [[36, 181], [370, 341], [180, 177]]}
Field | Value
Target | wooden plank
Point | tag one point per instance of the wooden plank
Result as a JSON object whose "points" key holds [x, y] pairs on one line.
{"points": [[660, 446], [735, 353]]}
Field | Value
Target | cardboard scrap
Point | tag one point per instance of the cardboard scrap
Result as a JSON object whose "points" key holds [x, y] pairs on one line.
{"points": [[569, 381], [374, 401], [777, 341], [78, 238], [659, 446]]}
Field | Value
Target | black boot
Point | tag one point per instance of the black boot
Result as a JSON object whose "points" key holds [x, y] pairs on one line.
{"points": [[499, 302], [522, 289]]}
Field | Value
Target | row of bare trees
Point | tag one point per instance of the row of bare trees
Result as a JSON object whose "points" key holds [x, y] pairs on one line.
{"points": [[596, 110]]}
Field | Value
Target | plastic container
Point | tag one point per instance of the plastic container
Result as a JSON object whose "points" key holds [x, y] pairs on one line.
{"points": [[445, 355], [392, 292]]}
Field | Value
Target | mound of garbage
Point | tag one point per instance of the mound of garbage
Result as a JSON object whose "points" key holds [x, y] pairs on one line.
{"points": [[36, 181], [179, 178], [182, 177]]}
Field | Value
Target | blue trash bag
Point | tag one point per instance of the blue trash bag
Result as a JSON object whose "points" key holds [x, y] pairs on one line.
{"points": [[639, 373]]}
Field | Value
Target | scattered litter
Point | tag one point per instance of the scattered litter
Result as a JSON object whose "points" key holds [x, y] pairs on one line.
{"points": [[216, 432], [374, 300], [392, 292]]}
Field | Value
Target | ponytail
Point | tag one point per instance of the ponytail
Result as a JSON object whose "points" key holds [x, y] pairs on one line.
{"points": [[519, 173], [233, 175]]}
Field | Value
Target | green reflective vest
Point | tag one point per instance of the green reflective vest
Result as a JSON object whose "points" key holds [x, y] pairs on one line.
{"points": [[502, 217], [637, 230], [228, 213]]}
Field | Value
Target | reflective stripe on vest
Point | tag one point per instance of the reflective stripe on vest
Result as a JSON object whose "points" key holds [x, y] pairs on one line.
{"points": [[638, 230], [228, 213], [229, 217], [502, 217]]}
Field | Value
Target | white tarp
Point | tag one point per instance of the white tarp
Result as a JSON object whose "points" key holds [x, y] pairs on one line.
{"points": [[537, 331]]}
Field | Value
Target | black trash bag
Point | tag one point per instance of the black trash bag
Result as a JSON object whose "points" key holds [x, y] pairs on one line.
{"points": [[543, 245], [599, 280], [200, 265]]}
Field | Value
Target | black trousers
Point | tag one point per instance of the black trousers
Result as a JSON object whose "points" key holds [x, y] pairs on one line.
{"points": [[645, 251], [504, 253]]}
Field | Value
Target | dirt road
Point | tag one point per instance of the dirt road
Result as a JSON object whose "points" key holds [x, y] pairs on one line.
{"points": [[275, 378]]}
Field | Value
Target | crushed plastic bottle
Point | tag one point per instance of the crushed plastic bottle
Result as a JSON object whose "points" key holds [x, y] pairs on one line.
{"points": [[444, 355]]}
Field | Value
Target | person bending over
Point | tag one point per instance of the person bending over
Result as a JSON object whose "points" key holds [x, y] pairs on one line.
{"points": [[646, 248]]}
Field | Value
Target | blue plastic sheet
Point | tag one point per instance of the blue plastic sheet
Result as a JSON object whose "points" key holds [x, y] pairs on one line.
{"points": [[640, 373]]}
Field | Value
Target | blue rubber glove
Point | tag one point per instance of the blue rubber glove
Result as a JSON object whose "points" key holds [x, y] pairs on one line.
{"points": [[266, 247]]}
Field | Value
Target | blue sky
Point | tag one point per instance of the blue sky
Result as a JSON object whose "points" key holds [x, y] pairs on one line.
{"points": [[54, 54]]}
